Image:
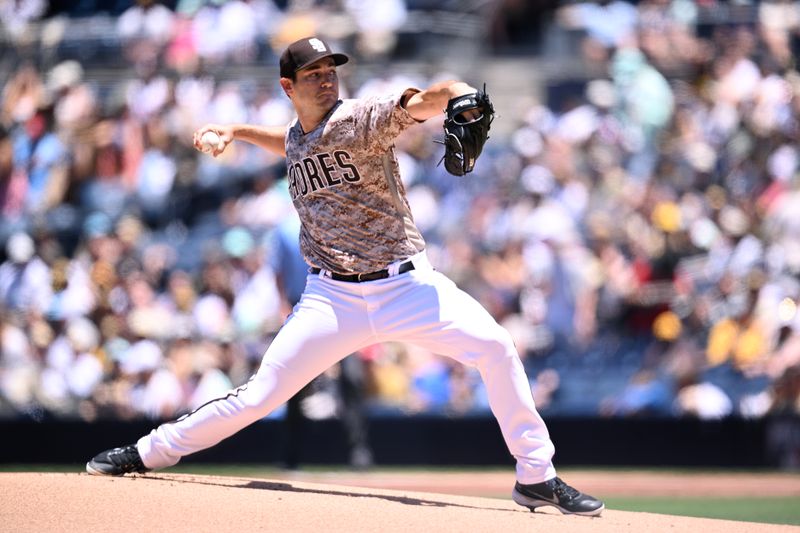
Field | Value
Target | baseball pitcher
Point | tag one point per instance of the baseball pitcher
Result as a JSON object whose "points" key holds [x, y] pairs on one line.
{"points": [[370, 279]]}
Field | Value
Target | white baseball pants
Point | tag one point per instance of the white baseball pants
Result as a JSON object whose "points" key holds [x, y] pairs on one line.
{"points": [[334, 319]]}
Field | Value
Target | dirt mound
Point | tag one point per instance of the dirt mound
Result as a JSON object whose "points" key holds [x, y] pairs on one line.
{"points": [[34, 502]]}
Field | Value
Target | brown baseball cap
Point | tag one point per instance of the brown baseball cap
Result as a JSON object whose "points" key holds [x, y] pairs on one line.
{"points": [[303, 52]]}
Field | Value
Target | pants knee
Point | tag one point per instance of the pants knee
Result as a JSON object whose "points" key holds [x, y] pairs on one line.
{"points": [[259, 397], [499, 350], [265, 392]]}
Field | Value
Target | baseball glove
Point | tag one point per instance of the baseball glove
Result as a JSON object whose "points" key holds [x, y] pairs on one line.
{"points": [[464, 137]]}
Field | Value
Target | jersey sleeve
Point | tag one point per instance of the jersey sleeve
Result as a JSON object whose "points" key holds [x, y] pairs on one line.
{"points": [[380, 119]]}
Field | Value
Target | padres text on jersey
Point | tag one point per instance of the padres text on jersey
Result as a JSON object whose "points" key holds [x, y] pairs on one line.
{"points": [[360, 184], [320, 171]]}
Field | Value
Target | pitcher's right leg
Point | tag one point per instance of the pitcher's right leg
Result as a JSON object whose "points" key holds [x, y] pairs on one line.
{"points": [[326, 326], [216, 420]]}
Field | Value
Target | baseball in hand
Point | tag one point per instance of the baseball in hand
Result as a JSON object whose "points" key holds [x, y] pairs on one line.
{"points": [[209, 141]]}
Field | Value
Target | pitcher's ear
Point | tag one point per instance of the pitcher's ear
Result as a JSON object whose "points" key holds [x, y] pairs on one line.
{"points": [[287, 86]]}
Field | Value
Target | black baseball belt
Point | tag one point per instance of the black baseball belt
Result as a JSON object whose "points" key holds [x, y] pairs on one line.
{"points": [[366, 276]]}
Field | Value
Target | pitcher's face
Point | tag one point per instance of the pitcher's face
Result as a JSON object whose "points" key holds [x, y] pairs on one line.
{"points": [[317, 86]]}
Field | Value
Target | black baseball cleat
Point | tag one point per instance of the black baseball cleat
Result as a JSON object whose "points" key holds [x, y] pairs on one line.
{"points": [[117, 462], [558, 494]]}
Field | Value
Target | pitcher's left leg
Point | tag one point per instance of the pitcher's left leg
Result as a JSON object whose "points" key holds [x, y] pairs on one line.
{"points": [[427, 309], [448, 321]]}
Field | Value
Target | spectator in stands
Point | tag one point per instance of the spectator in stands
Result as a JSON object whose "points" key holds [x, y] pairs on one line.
{"points": [[42, 158], [701, 399], [146, 21], [75, 103], [157, 173], [377, 25], [18, 15], [24, 278], [607, 24], [11, 201], [23, 93], [646, 394]]}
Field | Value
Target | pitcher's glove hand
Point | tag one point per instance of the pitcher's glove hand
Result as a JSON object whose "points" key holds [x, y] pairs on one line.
{"points": [[466, 128]]}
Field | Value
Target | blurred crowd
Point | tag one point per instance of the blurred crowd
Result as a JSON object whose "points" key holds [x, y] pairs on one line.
{"points": [[639, 238]]}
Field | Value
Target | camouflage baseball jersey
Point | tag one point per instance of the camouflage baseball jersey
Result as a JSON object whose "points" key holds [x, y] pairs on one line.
{"points": [[345, 183]]}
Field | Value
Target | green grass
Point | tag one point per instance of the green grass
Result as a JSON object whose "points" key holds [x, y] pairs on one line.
{"points": [[784, 510]]}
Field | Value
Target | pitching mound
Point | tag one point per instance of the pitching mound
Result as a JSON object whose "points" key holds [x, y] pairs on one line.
{"points": [[38, 502]]}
